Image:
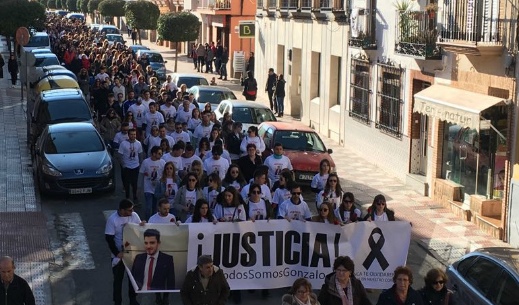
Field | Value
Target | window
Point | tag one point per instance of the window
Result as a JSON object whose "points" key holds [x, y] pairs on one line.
{"points": [[360, 91], [389, 99], [505, 291], [482, 275], [73, 142]]}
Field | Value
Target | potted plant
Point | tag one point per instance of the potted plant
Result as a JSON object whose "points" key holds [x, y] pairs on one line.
{"points": [[431, 9]]}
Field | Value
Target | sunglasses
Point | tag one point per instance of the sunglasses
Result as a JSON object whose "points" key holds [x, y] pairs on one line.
{"points": [[348, 201], [333, 180], [255, 192], [296, 193], [235, 172], [171, 168], [192, 180], [324, 210], [439, 282], [249, 131], [381, 203]]}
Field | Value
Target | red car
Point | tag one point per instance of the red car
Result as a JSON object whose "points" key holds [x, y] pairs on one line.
{"points": [[302, 145]]}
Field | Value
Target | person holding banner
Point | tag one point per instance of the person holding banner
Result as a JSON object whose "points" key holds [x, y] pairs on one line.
{"points": [[201, 213], [230, 206], [347, 212], [255, 207], [186, 197], [154, 270], [341, 287], [332, 192], [300, 294], [435, 291], [319, 180], [163, 215], [378, 211], [401, 292], [295, 208], [205, 284], [326, 214], [167, 186]]}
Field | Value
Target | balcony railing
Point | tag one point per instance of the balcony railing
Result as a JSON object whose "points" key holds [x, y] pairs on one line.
{"points": [[362, 28], [289, 4], [272, 4], [475, 21], [416, 34], [215, 4], [259, 4]]}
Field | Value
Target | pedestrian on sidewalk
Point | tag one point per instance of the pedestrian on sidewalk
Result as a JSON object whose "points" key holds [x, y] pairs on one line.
{"points": [[250, 87], [223, 65], [218, 56], [401, 292], [270, 87], [2, 64], [435, 291], [14, 289], [12, 67], [200, 56], [279, 93], [134, 36], [194, 55]]}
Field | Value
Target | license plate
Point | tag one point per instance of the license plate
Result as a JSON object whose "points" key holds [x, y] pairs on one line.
{"points": [[86, 190], [305, 177]]}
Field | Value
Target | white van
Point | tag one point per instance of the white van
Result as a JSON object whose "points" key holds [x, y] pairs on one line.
{"points": [[38, 40]]}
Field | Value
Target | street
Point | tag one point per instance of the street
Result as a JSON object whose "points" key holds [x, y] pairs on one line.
{"points": [[79, 259]]}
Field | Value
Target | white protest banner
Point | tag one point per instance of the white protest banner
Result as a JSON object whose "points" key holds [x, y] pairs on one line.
{"points": [[262, 255], [173, 241]]}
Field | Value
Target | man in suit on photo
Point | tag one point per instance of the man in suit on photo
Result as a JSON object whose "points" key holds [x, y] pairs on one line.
{"points": [[154, 270]]}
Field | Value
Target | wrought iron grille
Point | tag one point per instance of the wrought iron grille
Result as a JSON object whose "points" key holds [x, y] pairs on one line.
{"points": [[306, 5], [363, 26], [338, 5], [416, 34], [471, 20], [291, 4], [360, 90], [259, 4], [272, 4], [389, 99]]}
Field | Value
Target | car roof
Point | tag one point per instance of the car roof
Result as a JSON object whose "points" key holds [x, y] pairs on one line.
{"points": [[192, 75], [243, 103], [45, 55], [60, 94], [40, 34], [108, 26], [507, 255], [73, 126], [288, 126], [211, 88], [148, 51], [114, 35]]}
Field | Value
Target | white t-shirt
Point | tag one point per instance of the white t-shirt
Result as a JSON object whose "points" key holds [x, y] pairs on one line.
{"points": [[294, 211], [182, 115], [169, 112], [225, 155], [157, 218], [120, 137], [265, 192], [346, 215], [202, 131], [130, 153], [139, 112], [151, 141], [177, 161], [115, 225], [382, 217], [147, 102], [211, 196], [219, 166], [318, 182], [276, 165], [193, 123], [152, 171], [190, 197], [186, 162], [182, 136], [230, 213], [257, 210], [190, 219], [280, 195], [171, 189], [153, 119], [332, 198], [260, 145]]}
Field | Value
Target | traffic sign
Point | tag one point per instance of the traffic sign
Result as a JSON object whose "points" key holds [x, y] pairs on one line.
{"points": [[247, 29], [22, 36]]}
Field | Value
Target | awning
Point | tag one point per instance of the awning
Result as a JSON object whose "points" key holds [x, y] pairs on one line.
{"points": [[453, 105]]}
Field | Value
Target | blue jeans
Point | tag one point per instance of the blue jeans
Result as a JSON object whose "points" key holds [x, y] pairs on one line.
{"points": [[281, 103], [223, 70], [150, 206]]}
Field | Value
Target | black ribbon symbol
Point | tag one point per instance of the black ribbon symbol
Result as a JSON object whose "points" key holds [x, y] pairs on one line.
{"points": [[376, 252]]}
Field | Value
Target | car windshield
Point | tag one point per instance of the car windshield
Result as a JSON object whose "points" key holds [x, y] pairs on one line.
{"points": [[299, 140], [110, 30], [73, 142], [214, 96], [115, 38], [38, 41], [46, 61], [192, 81], [67, 111], [154, 57]]}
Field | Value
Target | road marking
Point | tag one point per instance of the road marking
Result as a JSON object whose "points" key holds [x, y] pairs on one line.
{"points": [[70, 246]]}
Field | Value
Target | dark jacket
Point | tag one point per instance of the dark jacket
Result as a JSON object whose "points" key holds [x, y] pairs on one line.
{"points": [[233, 143], [247, 167], [330, 296], [388, 297], [268, 206], [289, 299], [280, 88], [12, 66], [193, 292], [371, 214], [271, 82], [433, 297], [17, 293], [164, 275]]}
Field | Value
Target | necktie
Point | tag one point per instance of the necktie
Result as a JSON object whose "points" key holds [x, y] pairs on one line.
{"points": [[150, 273]]}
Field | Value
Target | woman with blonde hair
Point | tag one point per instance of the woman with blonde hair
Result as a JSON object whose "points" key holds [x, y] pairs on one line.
{"points": [[300, 294]]}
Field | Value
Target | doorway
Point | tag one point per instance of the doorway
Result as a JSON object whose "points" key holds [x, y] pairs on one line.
{"points": [[419, 135]]}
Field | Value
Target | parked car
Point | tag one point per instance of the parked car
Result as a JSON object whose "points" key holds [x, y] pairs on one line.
{"points": [[56, 72], [55, 81], [38, 40], [56, 106], [487, 276], [115, 38], [137, 47], [72, 158], [211, 94], [189, 79], [302, 145], [108, 29], [246, 112], [79, 16], [61, 12], [94, 27], [31, 67], [157, 63]]}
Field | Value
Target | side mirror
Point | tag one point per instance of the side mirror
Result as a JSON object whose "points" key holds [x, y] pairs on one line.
{"points": [[330, 151], [165, 61]]}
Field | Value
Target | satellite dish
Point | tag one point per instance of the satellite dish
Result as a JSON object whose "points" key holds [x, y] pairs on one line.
{"points": [[22, 36]]}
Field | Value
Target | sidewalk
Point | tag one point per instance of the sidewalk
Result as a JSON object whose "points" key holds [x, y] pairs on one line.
{"points": [[24, 228], [435, 228]]}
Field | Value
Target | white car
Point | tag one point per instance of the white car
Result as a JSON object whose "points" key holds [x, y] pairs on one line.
{"points": [[115, 38], [246, 112]]}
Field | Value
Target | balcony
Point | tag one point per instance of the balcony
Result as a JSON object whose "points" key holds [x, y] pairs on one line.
{"points": [[259, 4], [472, 27], [362, 27], [288, 5], [214, 5], [416, 34]]}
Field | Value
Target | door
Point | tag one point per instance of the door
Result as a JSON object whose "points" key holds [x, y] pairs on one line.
{"points": [[424, 131]]}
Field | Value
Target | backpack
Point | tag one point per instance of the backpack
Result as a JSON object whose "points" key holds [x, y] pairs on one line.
{"points": [[251, 84]]}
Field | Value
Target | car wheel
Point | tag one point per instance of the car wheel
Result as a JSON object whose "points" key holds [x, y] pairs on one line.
{"points": [[41, 186]]}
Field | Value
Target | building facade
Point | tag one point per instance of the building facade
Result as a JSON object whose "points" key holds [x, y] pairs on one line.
{"points": [[425, 89]]}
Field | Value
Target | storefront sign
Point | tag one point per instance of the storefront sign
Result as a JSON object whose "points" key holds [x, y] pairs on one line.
{"points": [[449, 114]]}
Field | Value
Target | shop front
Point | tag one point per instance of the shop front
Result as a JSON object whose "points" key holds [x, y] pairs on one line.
{"points": [[471, 147]]}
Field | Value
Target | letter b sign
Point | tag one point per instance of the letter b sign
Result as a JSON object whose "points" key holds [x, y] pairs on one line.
{"points": [[247, 30]]}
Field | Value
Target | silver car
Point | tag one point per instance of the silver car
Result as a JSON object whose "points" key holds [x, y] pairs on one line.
{"points": [[72, 158], [487, 276], [211, 94]]}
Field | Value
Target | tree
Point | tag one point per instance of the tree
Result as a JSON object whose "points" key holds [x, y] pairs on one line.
{"points": [[178, 27], [58, 4], [20, 13], [43, 2], [141, 15], [112, 8], [51, 4], [84, 6], [93, 5], [72, 5]]}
